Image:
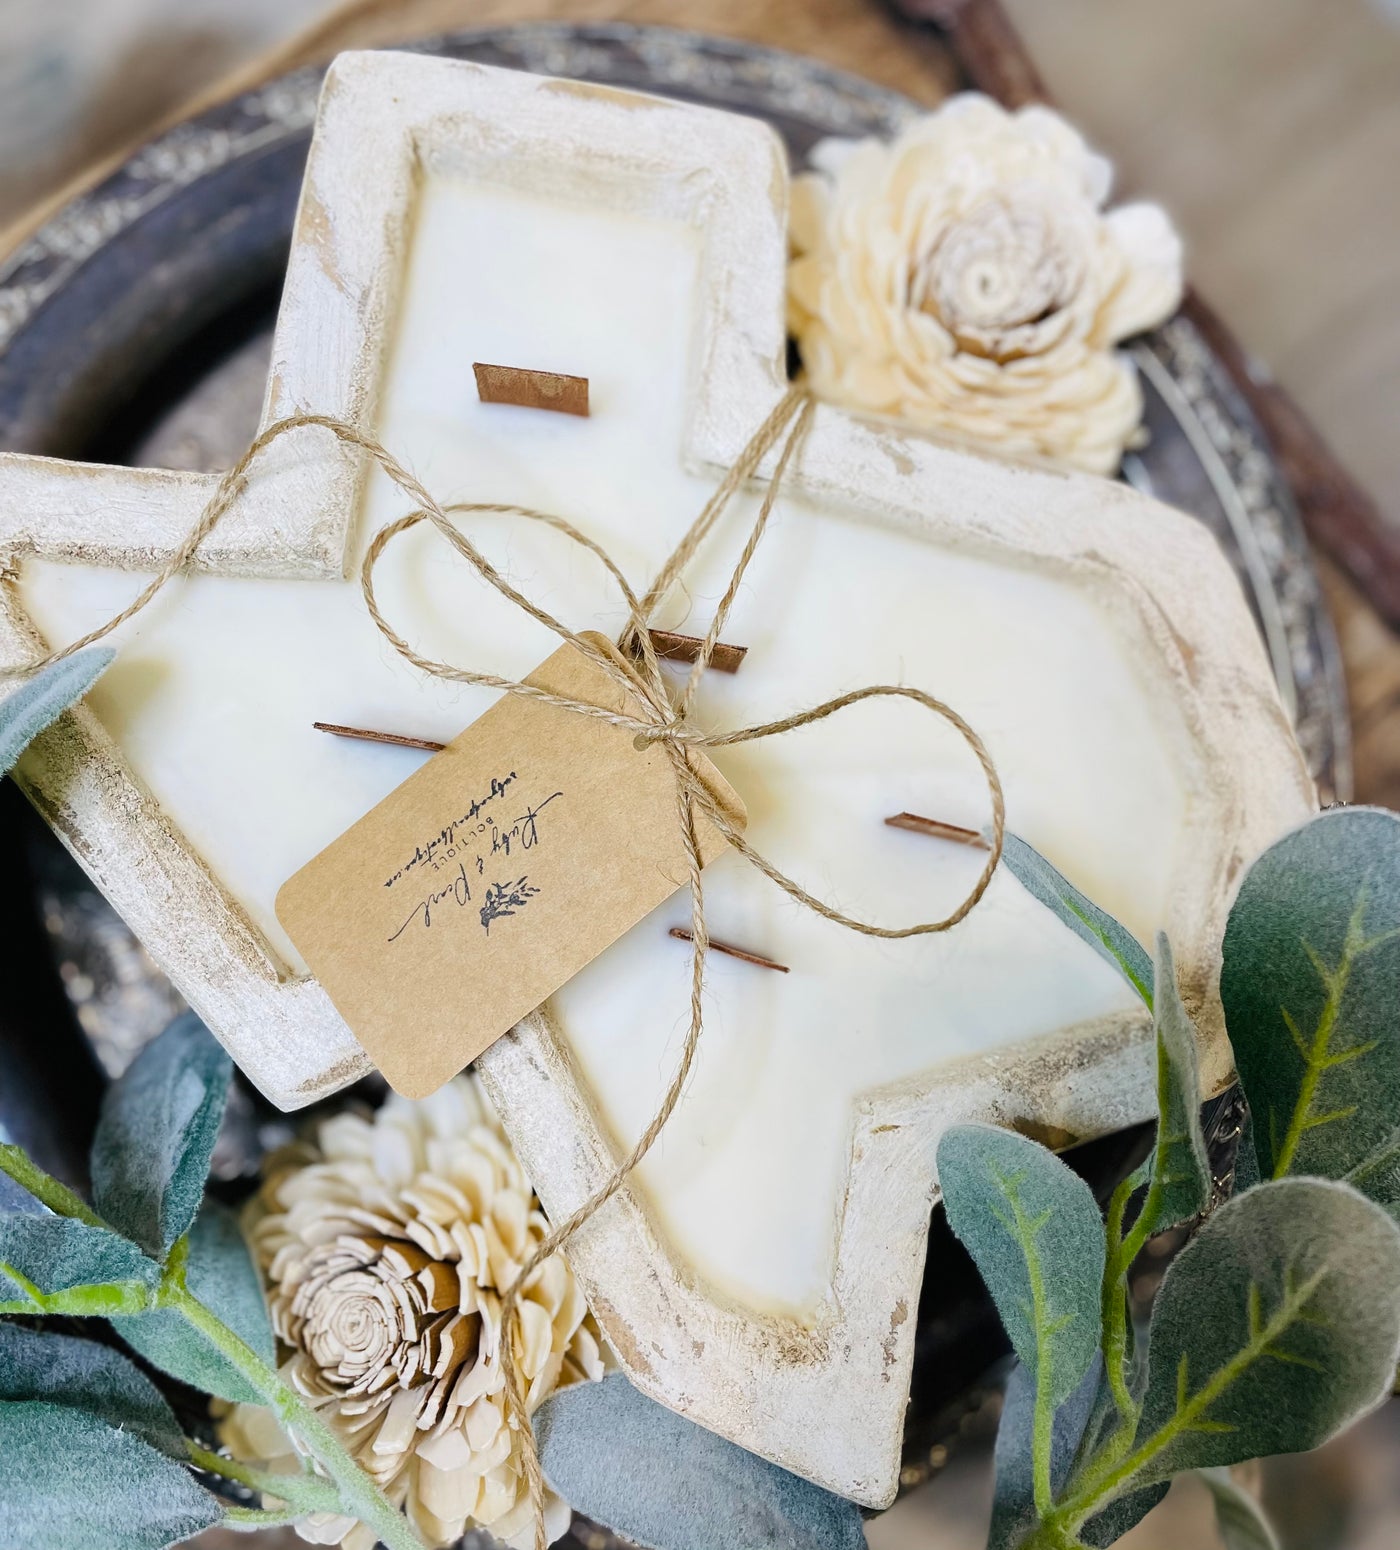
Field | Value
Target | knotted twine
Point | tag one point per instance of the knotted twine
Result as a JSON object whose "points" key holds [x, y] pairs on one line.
{"points": [[654, 719]]}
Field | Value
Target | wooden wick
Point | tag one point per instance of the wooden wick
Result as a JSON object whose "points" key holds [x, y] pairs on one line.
{"points": [[528, 389], [396, 738], [682, 935], [672, 647], [938, 830]]}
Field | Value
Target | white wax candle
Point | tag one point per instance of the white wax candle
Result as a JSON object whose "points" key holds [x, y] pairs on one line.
{"points": [[218, 683]]}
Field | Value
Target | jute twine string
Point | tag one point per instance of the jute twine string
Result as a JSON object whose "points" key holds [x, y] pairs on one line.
{"points": [[653, 718]]}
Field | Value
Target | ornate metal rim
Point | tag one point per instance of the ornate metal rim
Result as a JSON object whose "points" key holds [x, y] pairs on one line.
{"points": [[1261, 520]]}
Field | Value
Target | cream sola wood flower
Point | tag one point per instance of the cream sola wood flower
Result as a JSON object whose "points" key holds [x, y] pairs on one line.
{"points": [[385, 1247], [966, 280]]}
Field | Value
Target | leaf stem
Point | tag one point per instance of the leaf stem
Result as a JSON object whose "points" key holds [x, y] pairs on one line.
{"points": [[1115, 1306], [1100, 1486], [247, 1520], [357, 1493], [46, 1189], [1317, 1058], [305, 1492], [1043, 1421]]}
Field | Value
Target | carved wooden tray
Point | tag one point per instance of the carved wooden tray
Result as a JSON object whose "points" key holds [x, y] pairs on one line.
{"points": [[135, 326]]}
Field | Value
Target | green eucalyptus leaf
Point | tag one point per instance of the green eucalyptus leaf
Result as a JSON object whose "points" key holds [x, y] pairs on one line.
{"points": [[40, 700], [666, 1483], [220, 1273], [1311, 987], [1181, 1179], [1013, 1501], [1032, 1227], [1109, 1526], [1275, 1327], [1100, 930], [159, 1122], [1377, 1175], [64, 1370], [1247, 1158], [68, 1481], [56, 1255], [1238, 1516]]}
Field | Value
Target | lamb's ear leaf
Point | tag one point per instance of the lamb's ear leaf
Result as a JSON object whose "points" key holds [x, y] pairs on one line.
{"points": [[1034, 1231], [1275, 1327], [75, 1268], [41, 699], [1310, 984], [1247, 1158], [1109, 1525], [668, 1484], [1111, 940], [1377, 1175], [220, 1272], [1180, 1167], [68, 1481], [1239, 1517], [1013, 1502], [66, 1370], [156, 1135]]}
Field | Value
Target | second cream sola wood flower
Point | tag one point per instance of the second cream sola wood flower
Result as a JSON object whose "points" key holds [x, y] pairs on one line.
{"points": [[386, 1248], [965, 279]]}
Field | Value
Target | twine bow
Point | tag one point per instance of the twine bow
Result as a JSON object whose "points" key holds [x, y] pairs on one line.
{"points": [[654, 718]]}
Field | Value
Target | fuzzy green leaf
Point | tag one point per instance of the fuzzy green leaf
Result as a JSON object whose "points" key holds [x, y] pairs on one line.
{"points": [[1100, 930], [1109, 1526], [1033, 1229], [1013, 1501], [1275, 1327], [1180, 1180], [1238, 1516], [64, 1370], [1310, 984], [221, 1274], [666, 1483], [159, 1122], [70, 1482], [1377, 1175], [39, 701], [1247, 1159], [68, 1261]]}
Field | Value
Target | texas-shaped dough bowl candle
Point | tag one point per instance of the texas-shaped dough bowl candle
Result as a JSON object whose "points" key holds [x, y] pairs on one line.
{"points": [[761, 1270]]}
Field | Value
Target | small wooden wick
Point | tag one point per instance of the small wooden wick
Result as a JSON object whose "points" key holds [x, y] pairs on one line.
{"points": [[396, 738], [528, 389], [939, 830], [682, 935], [672, 647]]}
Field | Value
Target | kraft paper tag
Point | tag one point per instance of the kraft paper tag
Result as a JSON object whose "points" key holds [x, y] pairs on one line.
{"points": [[475, 890]]}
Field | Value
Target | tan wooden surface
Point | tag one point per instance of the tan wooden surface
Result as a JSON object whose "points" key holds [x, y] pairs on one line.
{"points": [[1271, 128]]}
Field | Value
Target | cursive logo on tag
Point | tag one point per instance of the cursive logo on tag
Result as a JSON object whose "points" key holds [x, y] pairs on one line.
{"points": [[501, 899], [505, 899]]}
